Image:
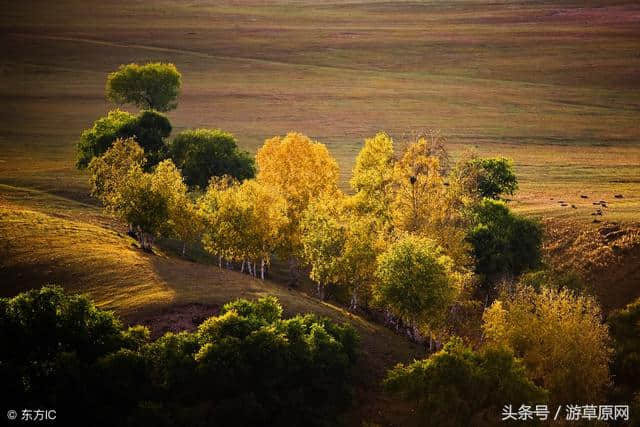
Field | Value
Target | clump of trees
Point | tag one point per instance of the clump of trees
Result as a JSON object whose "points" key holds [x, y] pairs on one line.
{"points": [[424, 241], [247, 366]]}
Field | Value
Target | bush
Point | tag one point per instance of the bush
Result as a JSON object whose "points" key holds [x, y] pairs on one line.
{"points": [[458, 387], [247, 366], [204, 153]]}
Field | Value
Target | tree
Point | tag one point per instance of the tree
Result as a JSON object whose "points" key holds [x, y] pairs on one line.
{"points": [[496, 177], [503, 244], [340, 247], [126, 191], [243, 222], [372, 178], [459, 387], [143, 207], [301, 170], [152, 86], [424, 205], [108, 169], [183, 219], [415, 281], [204, 153], [148, 128], [323, 238], [560, 337]]}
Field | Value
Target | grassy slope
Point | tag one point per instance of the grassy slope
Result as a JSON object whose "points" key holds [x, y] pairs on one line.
{"points": [[555, 85], [48, 239]]}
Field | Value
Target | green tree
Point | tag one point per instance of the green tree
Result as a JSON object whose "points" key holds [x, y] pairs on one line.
{"points": [[459, 387], [560, 337], [496, 177], [204, 153], [152, 86], [503, 244], [415, 281], [148, 128]]}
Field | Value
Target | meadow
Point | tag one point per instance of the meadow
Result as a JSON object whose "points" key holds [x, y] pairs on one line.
{"points": [[553, 85]]}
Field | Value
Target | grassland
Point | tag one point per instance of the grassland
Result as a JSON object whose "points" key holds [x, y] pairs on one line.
{"points": [[554, 85]]}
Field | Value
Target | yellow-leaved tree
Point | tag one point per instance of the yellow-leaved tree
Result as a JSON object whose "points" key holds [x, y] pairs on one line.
{"points": [[184, 222], [372, 179], [301, 170], [560, 337], [339, 246], [424, 204], [242, 222]]}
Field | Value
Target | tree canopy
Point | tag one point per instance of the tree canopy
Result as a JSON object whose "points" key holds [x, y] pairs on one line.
{"points": [[560, 337], [459, 387], [247, 366], [301, 170], [153, 86], [503, 244], [415, 281], [148, 128], [205, 153]]}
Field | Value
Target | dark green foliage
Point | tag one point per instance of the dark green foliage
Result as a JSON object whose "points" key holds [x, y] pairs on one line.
{"points": [[503, 244], [245, 367], [496, 177], [148, 128], [624, 326], [459, 387], [152, 86], [204, 153]]}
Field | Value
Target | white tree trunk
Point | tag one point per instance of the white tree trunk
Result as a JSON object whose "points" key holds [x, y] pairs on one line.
{"points": [[262, 269]]}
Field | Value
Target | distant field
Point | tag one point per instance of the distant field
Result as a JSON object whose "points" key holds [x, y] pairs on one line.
{"points": [[553, 84]]}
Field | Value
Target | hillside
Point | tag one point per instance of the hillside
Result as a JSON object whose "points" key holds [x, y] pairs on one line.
{"points": [[48, 239]]}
